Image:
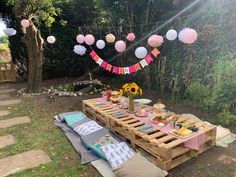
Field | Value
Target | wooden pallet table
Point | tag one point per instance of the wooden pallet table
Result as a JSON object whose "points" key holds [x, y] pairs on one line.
{"points": [[164, 150]]}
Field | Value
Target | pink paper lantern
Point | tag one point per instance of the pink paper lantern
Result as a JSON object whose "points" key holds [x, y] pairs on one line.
{"points": [[25, 23], [131, 37], [80, 38], [120, 46], [89, 39], [155, 40], [189, 36]]}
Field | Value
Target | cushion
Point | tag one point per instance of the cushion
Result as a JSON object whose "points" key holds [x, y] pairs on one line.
{"points": [[116, 154], [139, 166], [87, 128], [76, 124], [100, 142], [92, 137], [73, 118], [62, 115]]}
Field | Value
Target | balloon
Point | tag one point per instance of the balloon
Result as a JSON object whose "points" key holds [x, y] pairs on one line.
{"points": [[131, 37], [141, 52], [189, 36], [80, 38], [171, 35], [110, 38], [51, 39], [25, 23], [79, 49], [155, 40], [89, 39], [9, 31], [100, 44], [120, 46]]}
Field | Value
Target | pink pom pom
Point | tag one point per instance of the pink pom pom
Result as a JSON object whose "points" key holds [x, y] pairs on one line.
{"points": [[155, 40], [80, 38], [89, 39], [120, 46], [189, 36], [131, 37]]}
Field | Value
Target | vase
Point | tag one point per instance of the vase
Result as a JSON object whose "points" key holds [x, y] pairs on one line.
{"points": [[131, 104]]}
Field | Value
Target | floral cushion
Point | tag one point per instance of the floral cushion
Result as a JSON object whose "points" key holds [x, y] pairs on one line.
{"points": [[87, 128]]}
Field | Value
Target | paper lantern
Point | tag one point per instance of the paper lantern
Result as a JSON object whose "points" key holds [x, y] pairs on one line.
{"points": [[131, 37], [189, 36], [51, 39], [100, 44], [141, 52], [9, 31], [80, 38], [79, 49], [89, 39], [155, 40], [181, 34], [110, 38], [171, 35], [120, 46], [25, 23]]}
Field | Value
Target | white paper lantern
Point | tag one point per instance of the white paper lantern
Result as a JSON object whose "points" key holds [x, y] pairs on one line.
{"points": [[171, 35], [100, 44], [51, 39], [141, 52], [181, 34], [79, 49], [9, 31]]}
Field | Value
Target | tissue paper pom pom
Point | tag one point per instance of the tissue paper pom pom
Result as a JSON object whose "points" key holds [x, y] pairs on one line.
{"points": [[141, 52], [181, 34], [25, 23], [89, 39], [171, 35], [155, 40], [51, 39], [100, 44], [110, 38], [131, 37], [189, 36], [9, 31], [79, 49], [120, 46], [80, 38]]}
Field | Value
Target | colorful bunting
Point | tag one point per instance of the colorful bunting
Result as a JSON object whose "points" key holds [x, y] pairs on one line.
{"points": [[124, 70]]}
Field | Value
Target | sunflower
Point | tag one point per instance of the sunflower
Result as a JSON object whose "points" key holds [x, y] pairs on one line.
{"points": [[133, 90], [140, 91], [127, 88], [134, 85], [121, 92], [124, 86]]}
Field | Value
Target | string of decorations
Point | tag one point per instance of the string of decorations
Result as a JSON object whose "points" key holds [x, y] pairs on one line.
{"points": [[187, 36]]}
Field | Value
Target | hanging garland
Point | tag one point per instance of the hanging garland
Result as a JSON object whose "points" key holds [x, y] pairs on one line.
{"points": [[125, 70]]}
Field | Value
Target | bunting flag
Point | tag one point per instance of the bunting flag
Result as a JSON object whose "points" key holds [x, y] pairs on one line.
{"points": [[124, 70]]}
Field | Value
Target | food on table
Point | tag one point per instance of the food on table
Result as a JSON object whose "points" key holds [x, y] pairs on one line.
{"points": [[161, 124], [194, 129], [183, 132], [158, 107], [158, 119], [115, 97]]}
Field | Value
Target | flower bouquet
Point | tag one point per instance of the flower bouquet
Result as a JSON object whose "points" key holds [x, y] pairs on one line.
{"points": [[131, 90]]}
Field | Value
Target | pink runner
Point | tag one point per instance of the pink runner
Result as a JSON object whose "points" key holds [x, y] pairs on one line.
{"points": [[195, 142]]}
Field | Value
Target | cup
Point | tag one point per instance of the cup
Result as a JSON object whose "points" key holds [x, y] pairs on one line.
{"points": [[143, 112]]}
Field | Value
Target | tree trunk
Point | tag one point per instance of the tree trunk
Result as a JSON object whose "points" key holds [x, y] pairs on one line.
{"points": [[34, 43]]}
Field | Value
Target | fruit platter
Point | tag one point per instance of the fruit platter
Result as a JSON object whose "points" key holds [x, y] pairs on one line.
{"points": [[185, 131]]}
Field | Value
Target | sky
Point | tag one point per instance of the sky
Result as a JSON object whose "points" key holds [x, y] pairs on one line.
{"points": [[2, 27]]}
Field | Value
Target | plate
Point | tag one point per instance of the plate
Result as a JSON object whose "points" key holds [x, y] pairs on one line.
{"points": [[182, 137]]}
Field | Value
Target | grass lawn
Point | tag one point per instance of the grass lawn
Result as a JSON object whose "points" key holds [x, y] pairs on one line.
{"points": [[42, 134]]}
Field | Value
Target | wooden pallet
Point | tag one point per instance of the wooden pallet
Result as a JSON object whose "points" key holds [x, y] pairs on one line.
{"points": [[164, 150], [7, 72]]}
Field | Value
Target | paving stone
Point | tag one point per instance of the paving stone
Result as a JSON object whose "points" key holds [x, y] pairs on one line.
{"points": [[14, 121], [4, 113], [6, 140], [3, 91], [9, 102], [23, 161]]}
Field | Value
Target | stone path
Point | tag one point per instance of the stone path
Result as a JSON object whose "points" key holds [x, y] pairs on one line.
{"points": [[14, 121], [25, 160], [22, 161], [6, 140]]}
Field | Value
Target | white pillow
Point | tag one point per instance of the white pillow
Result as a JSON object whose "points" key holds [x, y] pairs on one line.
{"points": [[87, 128], [117, 154]]}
